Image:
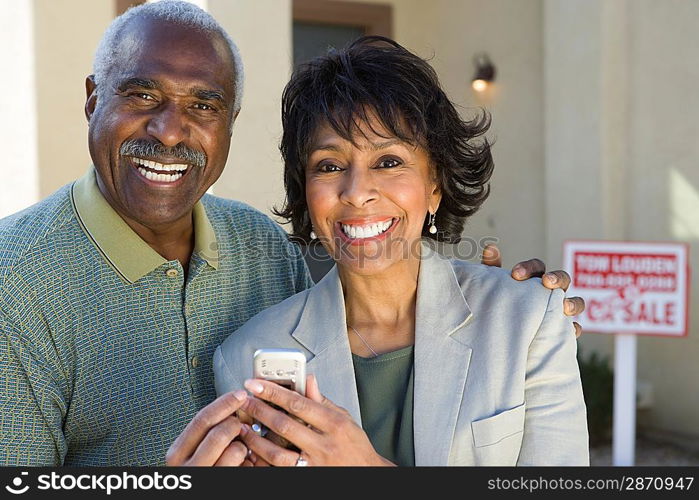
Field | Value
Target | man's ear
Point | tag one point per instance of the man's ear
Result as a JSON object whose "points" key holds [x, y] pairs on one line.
{"points": [[91, 101], [235, 115]]}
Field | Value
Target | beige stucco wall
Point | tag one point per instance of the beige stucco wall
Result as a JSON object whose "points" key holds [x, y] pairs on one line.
{"points": [[663, 185], [262, 31], [19, 169], [66, 36], [621, 160]]}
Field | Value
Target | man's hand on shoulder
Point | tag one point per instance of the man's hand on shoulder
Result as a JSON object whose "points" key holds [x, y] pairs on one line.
{"points": [[572, 306]]}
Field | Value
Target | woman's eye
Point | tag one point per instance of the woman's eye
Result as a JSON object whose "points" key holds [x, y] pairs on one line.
{"points": [[329, 167], [388, 163]]}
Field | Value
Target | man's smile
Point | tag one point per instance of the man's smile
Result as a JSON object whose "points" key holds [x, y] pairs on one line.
{"points": [[160, 172]]}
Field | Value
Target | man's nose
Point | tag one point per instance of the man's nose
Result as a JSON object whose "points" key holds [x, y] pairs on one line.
{"points": [[359, 188], [168, 125]]}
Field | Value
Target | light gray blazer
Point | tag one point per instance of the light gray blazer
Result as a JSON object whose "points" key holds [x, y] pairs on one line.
{"points": [[496, 376]]}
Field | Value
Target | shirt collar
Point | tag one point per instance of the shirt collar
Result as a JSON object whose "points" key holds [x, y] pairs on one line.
{"points": [[130, 256]]}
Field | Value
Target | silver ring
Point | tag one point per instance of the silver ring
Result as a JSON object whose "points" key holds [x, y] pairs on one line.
{"points": [[301, 462]]}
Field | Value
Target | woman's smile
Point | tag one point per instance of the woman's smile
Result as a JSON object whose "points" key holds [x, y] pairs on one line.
{"points": [[359, 232]]}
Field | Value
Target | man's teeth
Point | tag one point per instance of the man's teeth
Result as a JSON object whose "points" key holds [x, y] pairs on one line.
{"points": [[159, 177], [177, 170], [368, 231]]}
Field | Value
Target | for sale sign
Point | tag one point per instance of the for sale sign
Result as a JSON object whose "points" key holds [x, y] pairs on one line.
{"points": [[630, 287]]}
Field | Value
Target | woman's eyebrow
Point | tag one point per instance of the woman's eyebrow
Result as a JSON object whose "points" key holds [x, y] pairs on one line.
{"points": [[327, 147], [373, 146], [376, 146]]}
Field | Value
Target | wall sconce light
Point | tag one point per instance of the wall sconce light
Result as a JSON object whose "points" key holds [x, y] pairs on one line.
{"points": [[485, 72]]}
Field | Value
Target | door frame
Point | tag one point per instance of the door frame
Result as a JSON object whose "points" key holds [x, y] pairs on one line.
{"points": [[375, 19]]}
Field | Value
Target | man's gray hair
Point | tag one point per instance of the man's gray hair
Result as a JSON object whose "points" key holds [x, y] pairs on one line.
{"points": [[175, 11]]}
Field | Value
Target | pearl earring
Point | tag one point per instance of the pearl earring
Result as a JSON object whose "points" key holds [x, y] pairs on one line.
{"points": [[313, 235], [433, 228]]}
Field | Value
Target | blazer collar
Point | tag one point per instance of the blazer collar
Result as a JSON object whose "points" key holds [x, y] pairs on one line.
{"points": [[442, 357], [440, 306], [322, 321], [322, 330]]}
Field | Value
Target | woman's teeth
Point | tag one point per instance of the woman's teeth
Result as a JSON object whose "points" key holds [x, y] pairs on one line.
{"points": [[152, 170], [368, 231]]}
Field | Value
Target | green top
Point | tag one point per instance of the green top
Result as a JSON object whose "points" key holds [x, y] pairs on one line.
{"points": [[105, 346], [385, 388]]}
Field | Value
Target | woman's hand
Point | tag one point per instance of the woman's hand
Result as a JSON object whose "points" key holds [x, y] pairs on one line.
{"points": [[331, 438], [211, 438]]}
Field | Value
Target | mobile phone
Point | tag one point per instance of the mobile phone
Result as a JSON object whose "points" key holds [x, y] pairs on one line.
{"points": [[286, 367]]}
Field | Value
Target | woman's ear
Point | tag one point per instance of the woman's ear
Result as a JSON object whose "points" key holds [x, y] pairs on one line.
{"points": [[91, 100], [435, 197]]}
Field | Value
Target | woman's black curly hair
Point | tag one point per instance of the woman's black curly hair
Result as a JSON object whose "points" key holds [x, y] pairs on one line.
{"points": [[376, 76]]}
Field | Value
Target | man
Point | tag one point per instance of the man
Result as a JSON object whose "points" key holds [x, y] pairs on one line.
{"points": [[116, 289]]}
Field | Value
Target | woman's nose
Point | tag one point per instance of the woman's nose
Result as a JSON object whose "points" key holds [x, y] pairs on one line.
{"points": [[168, 125], [358, 189]]}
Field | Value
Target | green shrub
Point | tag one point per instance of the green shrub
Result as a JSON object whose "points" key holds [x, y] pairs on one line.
{"points": [[598, 387]]}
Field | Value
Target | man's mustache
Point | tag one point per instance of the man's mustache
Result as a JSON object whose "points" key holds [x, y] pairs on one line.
{"points": [[155, 150]]}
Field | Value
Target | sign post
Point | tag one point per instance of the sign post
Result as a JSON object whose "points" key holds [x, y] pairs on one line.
{"points": [[624, 423], [629, 289]]}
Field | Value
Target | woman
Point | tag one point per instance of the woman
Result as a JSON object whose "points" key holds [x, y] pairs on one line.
{"points": [[421, 360]]}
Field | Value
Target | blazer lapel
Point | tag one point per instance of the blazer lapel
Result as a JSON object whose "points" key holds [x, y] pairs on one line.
{"points": [[322, 330], [442, 357]]}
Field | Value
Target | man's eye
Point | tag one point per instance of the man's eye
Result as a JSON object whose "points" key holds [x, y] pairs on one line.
{"points": [[388, 163], [204, 107], [144, 96]]}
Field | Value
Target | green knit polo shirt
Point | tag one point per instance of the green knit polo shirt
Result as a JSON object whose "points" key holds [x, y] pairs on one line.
{"points": [[105, 346]]}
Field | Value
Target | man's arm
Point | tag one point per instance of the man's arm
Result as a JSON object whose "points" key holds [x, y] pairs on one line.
{"points": [[535, 268], [31, 405]]}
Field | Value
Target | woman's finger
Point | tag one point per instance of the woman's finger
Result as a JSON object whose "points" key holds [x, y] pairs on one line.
{"points": [[578, 329], [216, 442], [283, 425], [312, 389], [320, 415], [233, 456], [257, 461], [244, 417], [197, 429], [266, 452]]}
